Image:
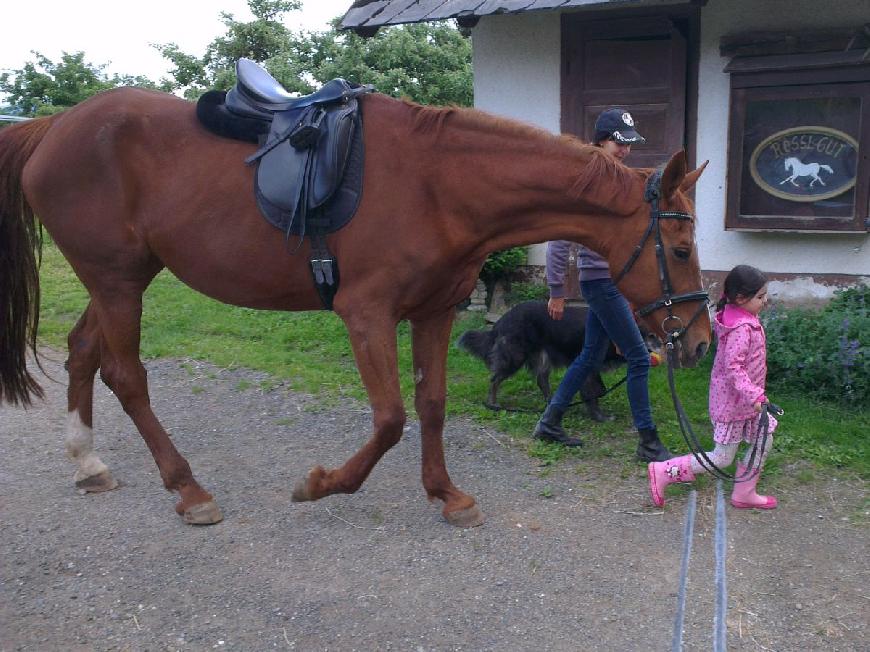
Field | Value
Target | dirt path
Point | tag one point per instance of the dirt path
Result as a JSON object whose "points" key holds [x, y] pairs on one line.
{"points": [[590, 567]]}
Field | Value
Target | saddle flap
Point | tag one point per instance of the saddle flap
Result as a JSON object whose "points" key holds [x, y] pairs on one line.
{"points": [[305, 178], [281, 170]]}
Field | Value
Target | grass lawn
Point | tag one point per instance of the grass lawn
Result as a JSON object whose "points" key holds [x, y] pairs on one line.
{"points": [[311, 352]]}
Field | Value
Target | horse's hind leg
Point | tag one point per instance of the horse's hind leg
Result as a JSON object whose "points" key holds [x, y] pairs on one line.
{"points": [[92, 474], [373, 338], [430, 341], [119, 309]]}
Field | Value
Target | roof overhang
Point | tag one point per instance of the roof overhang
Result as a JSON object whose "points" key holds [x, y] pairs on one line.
{"points": [[366, 16]]}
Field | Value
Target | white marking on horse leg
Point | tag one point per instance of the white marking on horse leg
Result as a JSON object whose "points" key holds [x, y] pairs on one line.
{"points": [[80, 447]]}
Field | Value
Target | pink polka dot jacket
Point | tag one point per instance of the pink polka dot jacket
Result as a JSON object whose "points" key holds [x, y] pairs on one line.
{"points": [[740, 368]]}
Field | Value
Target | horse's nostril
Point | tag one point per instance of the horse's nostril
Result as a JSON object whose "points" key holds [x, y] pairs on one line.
{"points": [[701, 350]]}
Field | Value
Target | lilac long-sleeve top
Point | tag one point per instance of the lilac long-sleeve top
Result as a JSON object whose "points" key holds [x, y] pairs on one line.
{"points": [[590, 265]]}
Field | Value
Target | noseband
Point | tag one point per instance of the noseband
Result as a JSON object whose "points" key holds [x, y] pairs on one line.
{"points": [[672, 325]]}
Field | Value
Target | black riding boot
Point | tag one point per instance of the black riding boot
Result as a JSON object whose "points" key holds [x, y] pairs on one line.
{"points": [[549, 428], [650, 448]]}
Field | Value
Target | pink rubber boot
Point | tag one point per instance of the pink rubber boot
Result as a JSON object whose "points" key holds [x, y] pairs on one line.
{"points": [[661, 474], [744, 497]]}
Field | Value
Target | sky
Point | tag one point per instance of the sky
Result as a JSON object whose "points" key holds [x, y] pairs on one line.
{"points": [[118, 33]]}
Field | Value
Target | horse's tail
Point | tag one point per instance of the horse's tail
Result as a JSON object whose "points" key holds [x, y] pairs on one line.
{"points": [[827, 168], [20, 251]]}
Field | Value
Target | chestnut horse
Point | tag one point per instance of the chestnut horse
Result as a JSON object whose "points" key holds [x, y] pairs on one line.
{"points": [[128, 182]]}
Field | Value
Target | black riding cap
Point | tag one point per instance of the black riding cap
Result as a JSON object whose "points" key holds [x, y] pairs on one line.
{"points": [[619, 124]]}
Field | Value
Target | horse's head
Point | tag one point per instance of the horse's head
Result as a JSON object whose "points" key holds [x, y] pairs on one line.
{"points": [[659, 271]]}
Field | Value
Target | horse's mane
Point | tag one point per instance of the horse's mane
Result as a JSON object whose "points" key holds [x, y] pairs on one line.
{"points": [[601, 166], [430, 120], [595, 166]]}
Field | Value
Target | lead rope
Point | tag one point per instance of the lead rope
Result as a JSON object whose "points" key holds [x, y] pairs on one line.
{"points": [[694, 443], [582, 401]]}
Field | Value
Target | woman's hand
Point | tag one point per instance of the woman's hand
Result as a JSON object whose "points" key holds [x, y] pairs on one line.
{"points": [[556, 307]]}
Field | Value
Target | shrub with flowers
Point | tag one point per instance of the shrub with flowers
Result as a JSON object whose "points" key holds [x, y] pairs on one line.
{"points": [[823, 352]]}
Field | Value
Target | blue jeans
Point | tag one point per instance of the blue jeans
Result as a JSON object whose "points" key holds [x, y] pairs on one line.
{"points": [[609, 318]]}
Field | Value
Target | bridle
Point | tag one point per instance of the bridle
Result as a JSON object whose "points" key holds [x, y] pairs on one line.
{"points": [[673, 327]]}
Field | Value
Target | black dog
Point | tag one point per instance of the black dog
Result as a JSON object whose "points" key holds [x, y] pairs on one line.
{"points": [[527, 336]]}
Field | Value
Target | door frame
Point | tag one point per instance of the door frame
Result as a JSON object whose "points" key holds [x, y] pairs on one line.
{"points": [[686, 17]]}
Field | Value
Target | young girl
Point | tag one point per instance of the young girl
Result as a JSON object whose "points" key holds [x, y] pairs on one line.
{"points": [[736, 393]]}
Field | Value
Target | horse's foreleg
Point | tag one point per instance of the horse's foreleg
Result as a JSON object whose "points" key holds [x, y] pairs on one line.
{"points": [[430, 341], [374, 345], [121, 369], [92, 475]]}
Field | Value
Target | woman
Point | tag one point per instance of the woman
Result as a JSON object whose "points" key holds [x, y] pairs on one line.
{"points": [[609, 318]]}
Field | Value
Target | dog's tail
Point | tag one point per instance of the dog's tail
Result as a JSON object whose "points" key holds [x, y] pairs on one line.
{"points": [[477, 343]]}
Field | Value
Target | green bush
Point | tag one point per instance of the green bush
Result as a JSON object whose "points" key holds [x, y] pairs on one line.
{"points": [[520, 292], [501, 264], [822, 352]]}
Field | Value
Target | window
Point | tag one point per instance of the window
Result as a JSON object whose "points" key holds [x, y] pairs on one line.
{"points": [[799, 138]]}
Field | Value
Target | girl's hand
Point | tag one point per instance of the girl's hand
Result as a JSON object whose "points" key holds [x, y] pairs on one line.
{"points": [[757, 407]]}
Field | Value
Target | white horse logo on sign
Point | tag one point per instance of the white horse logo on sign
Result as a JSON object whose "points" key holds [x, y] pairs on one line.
{"points": [[799, 169]]}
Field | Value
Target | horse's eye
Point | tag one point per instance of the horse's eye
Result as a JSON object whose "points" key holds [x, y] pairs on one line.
{"points": [[682, 254]]}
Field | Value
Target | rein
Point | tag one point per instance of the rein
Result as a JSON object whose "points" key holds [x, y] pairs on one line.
{"points": [[694, 444], [582, 401], [652, 194]]}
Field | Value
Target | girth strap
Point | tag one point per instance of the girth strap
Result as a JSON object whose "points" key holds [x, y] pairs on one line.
{"points": [[324, 269]]}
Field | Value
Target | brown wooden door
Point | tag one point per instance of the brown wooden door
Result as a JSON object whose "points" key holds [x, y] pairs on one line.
{"points": [[635, 63]]}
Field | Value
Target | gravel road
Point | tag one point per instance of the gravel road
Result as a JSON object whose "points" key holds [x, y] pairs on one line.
{"points": [[570, 559]]}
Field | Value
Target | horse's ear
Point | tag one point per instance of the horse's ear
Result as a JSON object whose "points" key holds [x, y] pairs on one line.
{"points": [[692, 178], [675, 172]]}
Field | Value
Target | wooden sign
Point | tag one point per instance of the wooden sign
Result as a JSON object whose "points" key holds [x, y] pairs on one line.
{"points": [[805, 164]]}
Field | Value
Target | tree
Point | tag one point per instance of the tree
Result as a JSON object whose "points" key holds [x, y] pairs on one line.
{"points": [[429, 63], [44, 87], [263, 39]]}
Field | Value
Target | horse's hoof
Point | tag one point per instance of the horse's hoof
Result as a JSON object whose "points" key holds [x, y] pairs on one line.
{"points": [[93, 484], [300, 491], [468, 517], [206, 513], [305, 489]]}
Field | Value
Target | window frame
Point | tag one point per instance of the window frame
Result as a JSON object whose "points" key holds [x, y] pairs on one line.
{"points": [[759, 78]]}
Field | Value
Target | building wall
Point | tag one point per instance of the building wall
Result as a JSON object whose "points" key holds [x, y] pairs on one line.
{"points": [[517, 63], [792, 253], [517, 74]]}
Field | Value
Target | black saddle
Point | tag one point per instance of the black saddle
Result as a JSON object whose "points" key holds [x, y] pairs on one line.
{"points": [[258, 94], [309, 164]]}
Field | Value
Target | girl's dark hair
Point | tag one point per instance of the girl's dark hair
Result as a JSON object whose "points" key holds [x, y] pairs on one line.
{"points": [[743, 280]]}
